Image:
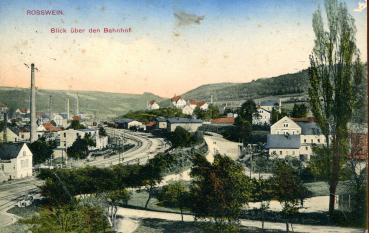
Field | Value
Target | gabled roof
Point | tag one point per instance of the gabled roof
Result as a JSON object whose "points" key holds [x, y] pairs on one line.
{"points": [[280, 141], [183, 120], [309, 128], [198, 103], [123, 120], [160, 119], [268, 103], [152, 102], [176, 98], [50, 127], [259, 107], [223, 120], [10, 150]]}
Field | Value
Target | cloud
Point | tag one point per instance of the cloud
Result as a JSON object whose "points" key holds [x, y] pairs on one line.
{"points": [[361, 6], [185, 19]]}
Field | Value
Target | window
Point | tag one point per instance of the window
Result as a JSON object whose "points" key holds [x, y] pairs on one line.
{"points": [[312, 140], [305, 140], [2, 167], [65, 134], [285, 125], [319, 140], [306, 148], [24, 153], [280, 152]]}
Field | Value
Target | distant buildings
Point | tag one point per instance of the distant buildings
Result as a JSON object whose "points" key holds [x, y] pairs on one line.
{"points": [[15, 161], [191, 125], [127, 123], [69, 136], [152, 105], [178, 102], [294, 137]]}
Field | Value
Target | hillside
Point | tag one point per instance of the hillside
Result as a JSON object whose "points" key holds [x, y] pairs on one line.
{"points": [[103, 104], [288, 84]]}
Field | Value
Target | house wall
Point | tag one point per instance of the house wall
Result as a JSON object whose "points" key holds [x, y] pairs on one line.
{"points": [[263, 118], [162, 125], [101, 142], [11, 136], [180, 103], [187, 110], [24, 163], [284, 126], [282, 153]]}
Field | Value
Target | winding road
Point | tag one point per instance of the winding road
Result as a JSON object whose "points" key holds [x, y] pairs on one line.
{"points": [[145, 148]]}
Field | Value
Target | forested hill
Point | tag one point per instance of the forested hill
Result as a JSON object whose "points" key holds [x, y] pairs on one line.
{"points": [[103, 104], [296, 83]]}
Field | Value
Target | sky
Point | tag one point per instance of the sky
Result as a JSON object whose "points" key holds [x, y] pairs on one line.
{"points": [[173, 47]]}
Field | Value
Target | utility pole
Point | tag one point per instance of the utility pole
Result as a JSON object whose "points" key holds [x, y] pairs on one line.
{"points": [[5, 133]]}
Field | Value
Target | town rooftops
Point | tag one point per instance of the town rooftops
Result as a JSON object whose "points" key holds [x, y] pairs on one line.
{"points": [[223, 120], [309, 128], [152, 102], [10, 150], [198, 103], [2, 105], [268, 103], [175, 98], [160, 119], [303, 119], [279, 141], [123, 120], [173, 120]]}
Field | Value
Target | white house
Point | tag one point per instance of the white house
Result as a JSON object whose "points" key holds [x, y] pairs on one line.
{"points": [[127, 123], [60, 121], [188, 124], [294, 137], [69, 136], [262, 118], [198, 103], [178, 101], [161, 123], [15, 161], [152, 105], [11, 135], [270, 104], [187, 110]]}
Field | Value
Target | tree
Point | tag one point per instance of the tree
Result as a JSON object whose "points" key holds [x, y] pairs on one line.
{"points": [[334, 67], [288, 189], [247, 110], [75, 124], [219, 190], [180, 137], [244, 129], [151, 175], [174, 195], [299, 110], [68, 218], [41, 150], [262, 191], [79, 148], [114, 198], [102, 131]]}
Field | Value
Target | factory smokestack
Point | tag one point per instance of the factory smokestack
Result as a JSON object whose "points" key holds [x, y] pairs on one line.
{"points": [[77, 106], [50, 102], [33, 105], [68, 109], [5, 132]]}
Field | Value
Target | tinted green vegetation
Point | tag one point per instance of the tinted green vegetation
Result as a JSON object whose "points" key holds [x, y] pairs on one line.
{"points": [[103, 104]]}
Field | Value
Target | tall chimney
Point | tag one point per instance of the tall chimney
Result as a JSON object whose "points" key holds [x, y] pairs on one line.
{"points": [[33, 105], [77, 106], [67, 108], [50, 101], [280, 105], [5, 132]]}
